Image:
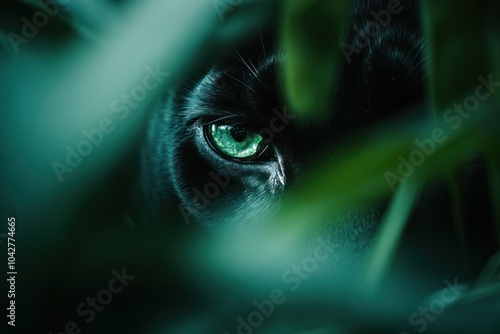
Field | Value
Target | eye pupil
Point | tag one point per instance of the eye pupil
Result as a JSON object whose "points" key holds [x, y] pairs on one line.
{"points": [[239, 133]]}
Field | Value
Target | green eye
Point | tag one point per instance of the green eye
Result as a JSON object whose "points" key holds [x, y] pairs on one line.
{"points": [[234, 141]]}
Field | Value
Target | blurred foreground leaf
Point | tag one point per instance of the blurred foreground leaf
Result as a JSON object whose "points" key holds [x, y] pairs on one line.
{"points": [[361, 177], [386, 243], [461, 47], [457, 48], [312, 30]]}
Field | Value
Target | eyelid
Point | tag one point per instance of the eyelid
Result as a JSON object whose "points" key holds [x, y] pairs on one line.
{"points": [[231, 120]]}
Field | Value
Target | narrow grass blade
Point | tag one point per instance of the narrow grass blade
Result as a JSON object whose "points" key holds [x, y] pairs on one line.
{"points": [[388, 238]]}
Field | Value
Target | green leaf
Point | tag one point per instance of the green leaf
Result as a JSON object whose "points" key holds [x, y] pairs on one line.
{"points": [[388, 238], [312, 30], [457, 48]]}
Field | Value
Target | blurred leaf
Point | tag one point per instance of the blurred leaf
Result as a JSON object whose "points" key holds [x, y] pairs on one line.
{"points": [[458, 191], [386, 243], [494, 176], [461, 47], [457, 48], [358, 178], [490, 272], [493, 35], [361, 175], [312, 30]]}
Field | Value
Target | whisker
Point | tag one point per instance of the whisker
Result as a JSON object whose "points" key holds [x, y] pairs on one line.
{"points": [[252, 71], [241, 82], [219, 119]]}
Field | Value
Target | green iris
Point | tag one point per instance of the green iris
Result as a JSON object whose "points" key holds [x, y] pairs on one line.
{"points": [[234, 141]]}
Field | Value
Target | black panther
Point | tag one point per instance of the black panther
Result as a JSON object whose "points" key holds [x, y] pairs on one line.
{"points": [[224, 148]]}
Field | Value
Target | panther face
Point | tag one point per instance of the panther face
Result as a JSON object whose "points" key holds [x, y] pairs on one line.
{"points": [[224, 148]]}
